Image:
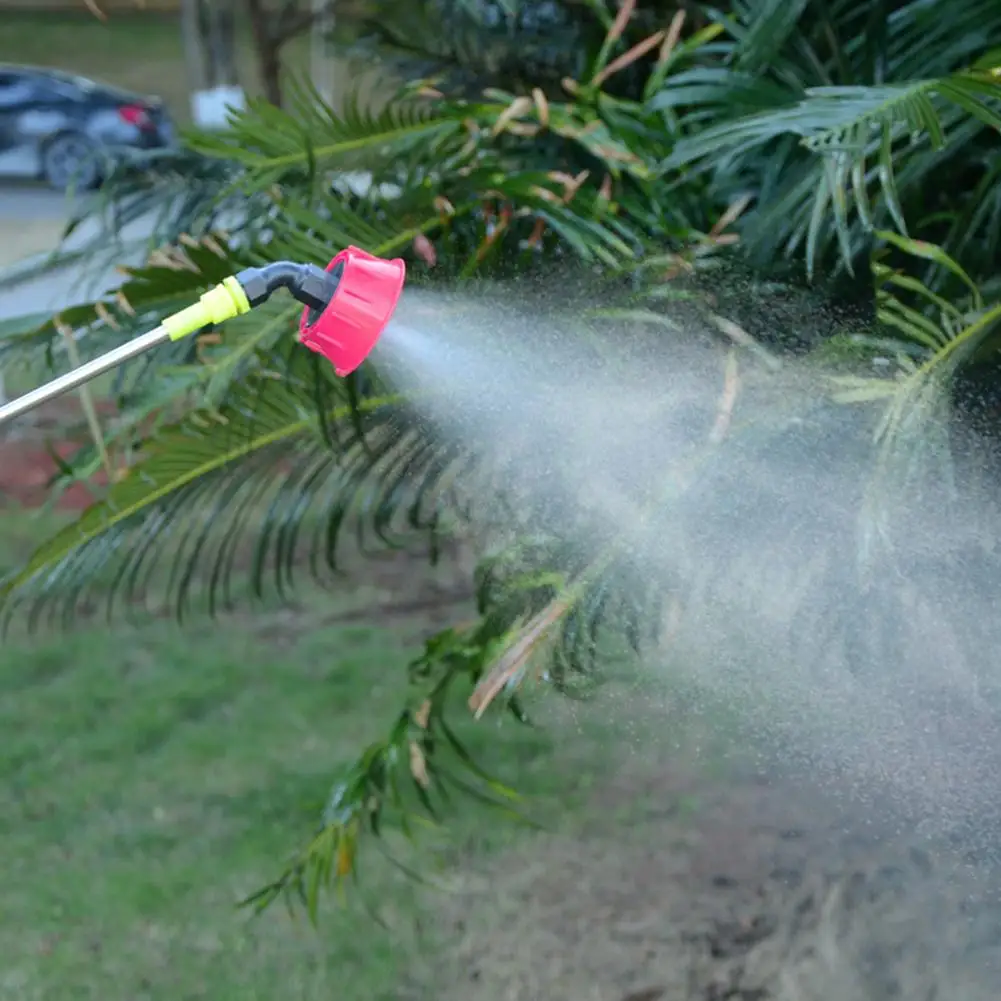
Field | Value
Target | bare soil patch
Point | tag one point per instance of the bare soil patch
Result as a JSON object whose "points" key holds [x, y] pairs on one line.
{"points": [[677, 886], [28, 450]]}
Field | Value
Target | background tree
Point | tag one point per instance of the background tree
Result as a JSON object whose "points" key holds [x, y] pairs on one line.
{"points": [[273, 25], [210, 42]]}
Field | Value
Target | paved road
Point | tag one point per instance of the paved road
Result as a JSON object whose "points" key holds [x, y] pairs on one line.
{"points": [[31, 222], [31, 217], [57, 289], [30, 201]]}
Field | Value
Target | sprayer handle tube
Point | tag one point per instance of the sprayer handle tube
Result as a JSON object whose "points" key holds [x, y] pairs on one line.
{"points": [[84, 373]]}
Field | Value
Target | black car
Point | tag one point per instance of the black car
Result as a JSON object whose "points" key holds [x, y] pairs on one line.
{"points": [[64, 128]]}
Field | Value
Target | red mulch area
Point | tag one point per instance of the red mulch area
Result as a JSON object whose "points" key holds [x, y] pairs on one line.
{"points": [[26, 465]]}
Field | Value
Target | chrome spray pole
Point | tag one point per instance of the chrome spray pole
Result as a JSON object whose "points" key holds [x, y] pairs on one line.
{"points": [[84, 373]]}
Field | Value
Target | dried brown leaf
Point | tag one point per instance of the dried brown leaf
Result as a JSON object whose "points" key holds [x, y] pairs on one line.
{"points": [[419, 766], [517, 107], [105, 316], [672, 36], [444, 206], [345, 853], [571, 184], [424, 249], [541, 106], [734, 211], [423, 714], [158, 259], [728, 399], [212, 245], [515, 659], [639, 50], [545, 194], [123, 301], [537, 232], [622, 19]]}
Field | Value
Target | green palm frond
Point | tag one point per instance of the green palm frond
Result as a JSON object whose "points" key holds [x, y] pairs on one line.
{"points": [[919, 42], [857, 42], [273, 144], [171, 191], [472, 45], [917, 396], [704, 93], [316, 229], [157, 387], [769, 27], [405, 781], [975, 232], [289, 456], [852, 120], [869, 142], [847, 86], [537, 623]]}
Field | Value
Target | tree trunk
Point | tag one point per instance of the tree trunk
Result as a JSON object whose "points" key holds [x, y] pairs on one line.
{"points": [[320, 63], [222, 42], [194, 54], [271, 69], [209, 28], [217, 23], [268, 45]]}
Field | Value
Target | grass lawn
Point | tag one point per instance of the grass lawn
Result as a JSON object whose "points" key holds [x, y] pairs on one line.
{"points": [[149, 779], [142, 52]]}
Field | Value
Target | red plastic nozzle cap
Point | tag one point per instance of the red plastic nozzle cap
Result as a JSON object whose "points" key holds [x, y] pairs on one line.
{"points": [[366, 297]]}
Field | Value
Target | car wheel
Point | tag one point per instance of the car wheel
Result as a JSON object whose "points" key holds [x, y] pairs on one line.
{"points": [[72, 161]]}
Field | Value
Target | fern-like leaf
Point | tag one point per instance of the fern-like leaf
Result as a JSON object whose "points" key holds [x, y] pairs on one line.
{"points": [[288, 457]]}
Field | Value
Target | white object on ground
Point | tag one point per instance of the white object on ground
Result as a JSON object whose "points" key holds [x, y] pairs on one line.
{"points": [[210, 109]]}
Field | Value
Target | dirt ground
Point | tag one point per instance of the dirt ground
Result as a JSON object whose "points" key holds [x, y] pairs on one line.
{"points": [[682, 887], [27, 465]]}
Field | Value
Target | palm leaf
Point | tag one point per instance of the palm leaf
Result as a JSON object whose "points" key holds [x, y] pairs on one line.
{"points": [[273, 143], [852, 120], [770, 26], [468, 45], [857, 133], [183, 515], [913, 435]]}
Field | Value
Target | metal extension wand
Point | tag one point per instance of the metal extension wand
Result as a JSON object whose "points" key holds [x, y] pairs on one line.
{"points": [[347, 306], [84, 373]]}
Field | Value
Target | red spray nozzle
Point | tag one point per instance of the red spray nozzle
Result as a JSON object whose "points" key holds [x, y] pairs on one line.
{"points": [[347, 329]]}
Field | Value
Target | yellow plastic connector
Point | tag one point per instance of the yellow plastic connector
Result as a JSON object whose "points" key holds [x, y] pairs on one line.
{"points": [[221, 303]]}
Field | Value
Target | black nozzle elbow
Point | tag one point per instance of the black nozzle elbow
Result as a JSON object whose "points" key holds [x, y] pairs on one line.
{"points": [[308, 283]]}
